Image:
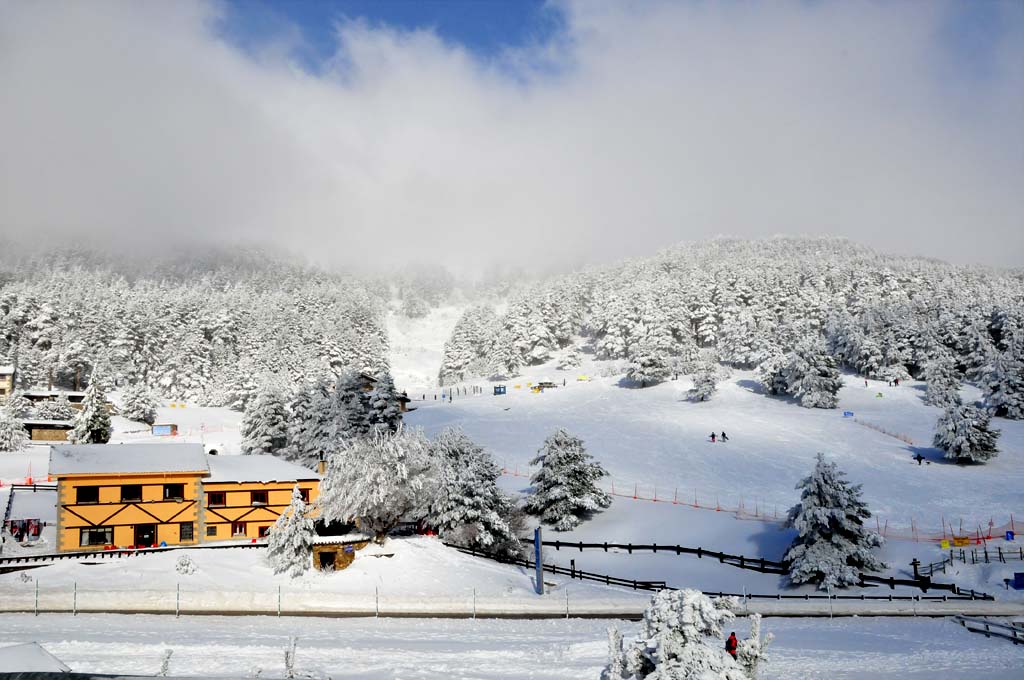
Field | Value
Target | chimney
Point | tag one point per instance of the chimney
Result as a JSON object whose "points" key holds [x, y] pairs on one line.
{"points": [[321, 466]]}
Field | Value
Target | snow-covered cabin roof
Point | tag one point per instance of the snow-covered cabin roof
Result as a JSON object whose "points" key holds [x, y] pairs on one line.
{"points": [[30, 657], [6, 370], [256, 468], [355, 537], [37, 422], [69, 459]]}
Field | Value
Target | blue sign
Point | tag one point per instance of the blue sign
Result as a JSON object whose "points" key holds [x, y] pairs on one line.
{"points": [[847, 414], [1009, 535], [163, 430]]}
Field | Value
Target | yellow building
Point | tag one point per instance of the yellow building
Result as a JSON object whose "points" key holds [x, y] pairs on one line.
{"points": [[144, 495], [6, 382]]}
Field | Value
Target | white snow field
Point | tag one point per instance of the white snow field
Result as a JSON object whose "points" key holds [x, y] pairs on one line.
{"points": [[416, 346], [212, 646]]}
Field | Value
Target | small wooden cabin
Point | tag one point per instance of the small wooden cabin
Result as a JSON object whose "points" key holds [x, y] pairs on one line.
{"points": [[334, 553], [74, 398], [48, 430]]}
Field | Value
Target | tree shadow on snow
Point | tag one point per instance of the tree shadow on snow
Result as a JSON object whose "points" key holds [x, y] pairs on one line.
{"points": [[930, 454], [628, 384], [752, 386]]}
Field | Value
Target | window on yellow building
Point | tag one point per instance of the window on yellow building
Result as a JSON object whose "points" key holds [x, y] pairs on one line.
{"points": [[131, 492], [174, 492], [259, 497], [96, 536], [87, 494], [186, 531], [263, 531], [216, 498], [211, 531], [305, 495], [238, 528]]}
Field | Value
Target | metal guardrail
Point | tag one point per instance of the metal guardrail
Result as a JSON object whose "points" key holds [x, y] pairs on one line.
{"points": [[752, 563]]}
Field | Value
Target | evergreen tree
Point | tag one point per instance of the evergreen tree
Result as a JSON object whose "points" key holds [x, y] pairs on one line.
{"points": [[92, 425], [1002, 385], [832, 545], [572, 359], [964, 433], [264, 427], [302, 424], [350, 408], [811, 376], [379, 480], [469, 508], [648, 363], [138, 404], [58, 409], [382, 405], [943, 384], [705, 381], [771, 374], [290, 540], [680, 638], [565, 488], [13, 436]]}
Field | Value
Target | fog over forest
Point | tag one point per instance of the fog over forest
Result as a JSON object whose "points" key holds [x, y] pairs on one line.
{"points": [[632, 128]]}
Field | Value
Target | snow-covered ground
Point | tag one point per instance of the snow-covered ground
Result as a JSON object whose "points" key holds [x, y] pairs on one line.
{"points": [[416, 347], [212, 646]]}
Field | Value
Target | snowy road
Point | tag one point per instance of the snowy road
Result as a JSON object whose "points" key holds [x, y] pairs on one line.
{"points": [[432, 648]]}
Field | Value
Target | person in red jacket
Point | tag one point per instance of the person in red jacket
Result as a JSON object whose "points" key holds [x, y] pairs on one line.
{"points": [[730, 644]]}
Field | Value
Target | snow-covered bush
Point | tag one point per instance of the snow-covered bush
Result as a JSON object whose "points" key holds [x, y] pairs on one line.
{"points": [[469, 508], [139, 404], [185, 565], [832, 546], [19, 406], [771, 374], [680, 638], [290, 540], [379, 480], [58, 409], [648, 362], [264, 427], [92, 424], [565, 490], [811, 376], [964, 432], [13, 436]]}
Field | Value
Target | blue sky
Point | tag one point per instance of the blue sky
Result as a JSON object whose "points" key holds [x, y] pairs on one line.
{"points": [[484, 27]]}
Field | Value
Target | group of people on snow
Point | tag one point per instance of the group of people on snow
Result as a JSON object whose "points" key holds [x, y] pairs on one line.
{"points": [[715, 437]]}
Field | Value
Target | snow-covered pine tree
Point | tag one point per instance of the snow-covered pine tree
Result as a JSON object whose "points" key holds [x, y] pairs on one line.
{"points": [[469, 508], [771, 375], [705, 381], [138, 404], [648, 362], [58, 409], [943, 383], [19, 405], [382, 405], [290, 540], [1002, 386], [680, 638], [572, 359], [565, 490], [832, 546], [379, 480], [264, 427], [92, 424], [811, 376], [309, 424], [964, 433], [13, 436]]}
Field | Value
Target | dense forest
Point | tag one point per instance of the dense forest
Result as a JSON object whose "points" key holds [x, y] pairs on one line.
{"points": [[748, 304], [208, 328]]}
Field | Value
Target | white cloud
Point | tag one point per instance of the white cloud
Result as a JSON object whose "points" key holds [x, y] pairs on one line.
{"points": [[658, 123]]}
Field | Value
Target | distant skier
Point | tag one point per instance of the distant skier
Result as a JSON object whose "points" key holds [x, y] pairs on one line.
{"points": [[896, 382], [713, 436], [865, 382], [724, 438], [919, 458], [730, 644]]}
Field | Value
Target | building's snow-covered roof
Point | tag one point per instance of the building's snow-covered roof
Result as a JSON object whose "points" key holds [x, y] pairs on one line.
{"points": [[30, 657], [126, 458], [6, 370], [256, 469], [52, 423], [354, 537], [28, 394]]}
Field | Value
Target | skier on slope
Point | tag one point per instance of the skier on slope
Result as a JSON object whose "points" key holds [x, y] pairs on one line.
{"points": [[713, 436], [730, 644], [724, 438]]}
